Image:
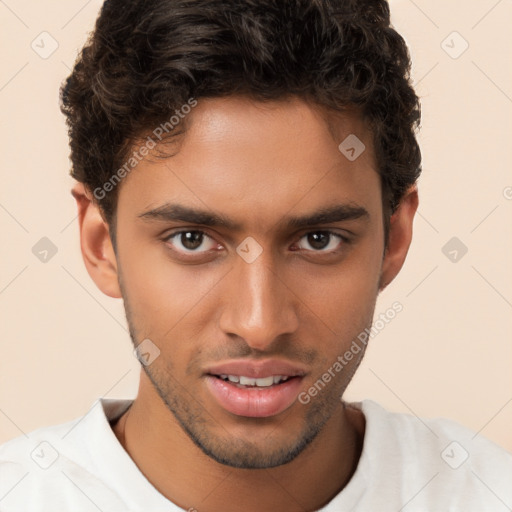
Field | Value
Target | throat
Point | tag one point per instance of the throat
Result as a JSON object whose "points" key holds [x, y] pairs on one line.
{"points": [[118, 427]]}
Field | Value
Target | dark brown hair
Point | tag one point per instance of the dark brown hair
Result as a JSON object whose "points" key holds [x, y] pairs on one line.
{"points": [[144, 60]]}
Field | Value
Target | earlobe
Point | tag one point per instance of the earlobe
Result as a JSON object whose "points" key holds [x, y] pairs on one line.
{"points": [[96, 246], [400, 237]]}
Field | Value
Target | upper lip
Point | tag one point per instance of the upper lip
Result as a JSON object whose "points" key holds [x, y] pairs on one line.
{"points": [[257, 369]]}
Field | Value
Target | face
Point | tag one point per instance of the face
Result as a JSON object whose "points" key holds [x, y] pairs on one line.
{"points": [[227, 267]]}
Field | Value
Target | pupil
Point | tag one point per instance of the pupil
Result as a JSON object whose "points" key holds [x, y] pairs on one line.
{"points": [[318, 240], [191, 239]]}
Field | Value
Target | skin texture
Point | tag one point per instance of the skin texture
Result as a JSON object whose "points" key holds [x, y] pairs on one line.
{"points": [[257, 164]]}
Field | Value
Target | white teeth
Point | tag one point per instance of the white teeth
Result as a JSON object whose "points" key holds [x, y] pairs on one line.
{"points": [[250, 381], [247, 381], [267, 381]]}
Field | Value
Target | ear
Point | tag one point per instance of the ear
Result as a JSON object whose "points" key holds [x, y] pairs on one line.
{"points": [[400, 236], [97, 250]]}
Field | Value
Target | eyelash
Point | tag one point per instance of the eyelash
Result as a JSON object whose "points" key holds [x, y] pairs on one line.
{"points": [[343, 240]]}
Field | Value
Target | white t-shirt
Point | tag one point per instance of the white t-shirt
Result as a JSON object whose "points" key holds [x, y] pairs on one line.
{"points": [[406, 464]]}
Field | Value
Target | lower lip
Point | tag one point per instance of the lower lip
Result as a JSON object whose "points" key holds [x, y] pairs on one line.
{"points": [[254, 402]]}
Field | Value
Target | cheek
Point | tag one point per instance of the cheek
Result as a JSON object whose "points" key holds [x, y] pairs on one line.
{"points": [[342, 297], [334, 318], [163, 296]]}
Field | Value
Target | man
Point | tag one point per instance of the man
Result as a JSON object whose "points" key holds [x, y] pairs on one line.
{"points": [[246, 183]]}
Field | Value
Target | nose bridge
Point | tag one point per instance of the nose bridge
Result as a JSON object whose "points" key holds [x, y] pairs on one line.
{"points": [[260, 307]]}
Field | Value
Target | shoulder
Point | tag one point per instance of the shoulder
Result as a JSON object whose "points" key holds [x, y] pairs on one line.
{"points": [[454, 443], [450, 463], [37, 447], [52, 466]]}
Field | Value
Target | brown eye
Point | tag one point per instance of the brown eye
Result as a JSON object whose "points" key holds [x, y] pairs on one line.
{"points": [[321, 241], [191, 241]]}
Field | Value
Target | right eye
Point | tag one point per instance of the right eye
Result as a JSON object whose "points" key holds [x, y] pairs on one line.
{"points": [[189, 241]]}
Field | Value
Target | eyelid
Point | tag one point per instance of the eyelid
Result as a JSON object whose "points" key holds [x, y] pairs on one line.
{"points": [[333, 231]]}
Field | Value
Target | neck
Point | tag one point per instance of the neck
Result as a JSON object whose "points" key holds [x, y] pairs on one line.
{"points": [[181, 472]]}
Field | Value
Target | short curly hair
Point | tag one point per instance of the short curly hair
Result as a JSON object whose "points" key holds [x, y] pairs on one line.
{"points": [[146, 59]]}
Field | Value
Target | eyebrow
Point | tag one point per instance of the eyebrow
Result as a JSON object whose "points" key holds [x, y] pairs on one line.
{"points": [[175, 212]]}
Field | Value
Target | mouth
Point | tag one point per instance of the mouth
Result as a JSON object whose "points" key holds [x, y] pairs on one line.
{"points": [[254, 390]]}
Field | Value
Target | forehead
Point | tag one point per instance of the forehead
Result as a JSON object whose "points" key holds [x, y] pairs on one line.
{"points": [[255, 161]]}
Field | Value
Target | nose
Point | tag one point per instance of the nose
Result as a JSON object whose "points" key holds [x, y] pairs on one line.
{"points": [[258, 305]]}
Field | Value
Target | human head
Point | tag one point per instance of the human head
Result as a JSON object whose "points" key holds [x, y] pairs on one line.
{"points": [[271, 101]]}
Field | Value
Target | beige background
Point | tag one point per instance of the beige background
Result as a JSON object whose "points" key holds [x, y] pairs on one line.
{"points": [[448, 353]]}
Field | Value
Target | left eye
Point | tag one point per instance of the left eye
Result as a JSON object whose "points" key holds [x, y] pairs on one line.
{"points": [[322, 241], [191, 241]]}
